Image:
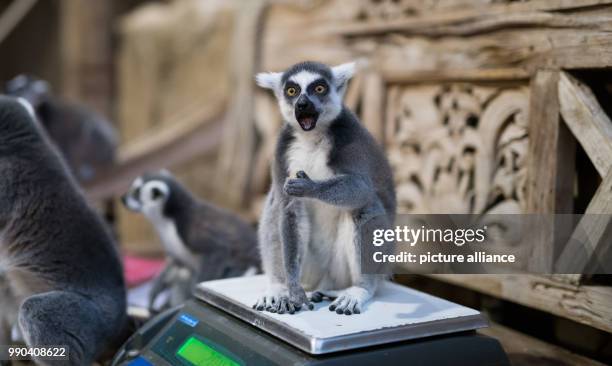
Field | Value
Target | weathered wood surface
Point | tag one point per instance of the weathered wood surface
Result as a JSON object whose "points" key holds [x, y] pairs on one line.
{"points": [[550, 167], [86, 53], [524, 350], [593, 234], [12, 15], [588, 305], [587, 121], [238, 144], [166, 149]]}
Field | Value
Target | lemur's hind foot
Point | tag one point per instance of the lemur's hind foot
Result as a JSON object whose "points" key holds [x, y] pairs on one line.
{"points": [[347, 302], [280, 299]]}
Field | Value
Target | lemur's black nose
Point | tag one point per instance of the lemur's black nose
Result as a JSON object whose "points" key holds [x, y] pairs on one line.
{"points": [[302, 103]]}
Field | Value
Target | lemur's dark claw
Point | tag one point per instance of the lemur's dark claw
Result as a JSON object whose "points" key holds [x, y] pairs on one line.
{"points": [[316, 297]]}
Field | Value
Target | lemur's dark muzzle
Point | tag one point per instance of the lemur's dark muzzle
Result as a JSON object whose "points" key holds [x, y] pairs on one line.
{"points": [[306, 113]]}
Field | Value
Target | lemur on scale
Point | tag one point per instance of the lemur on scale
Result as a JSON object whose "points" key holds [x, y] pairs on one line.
{"points": [[331, 187], [202, 242], [61, 279]]}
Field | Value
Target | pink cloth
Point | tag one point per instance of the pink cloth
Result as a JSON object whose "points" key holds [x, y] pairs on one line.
{"points": [[138, 270]]}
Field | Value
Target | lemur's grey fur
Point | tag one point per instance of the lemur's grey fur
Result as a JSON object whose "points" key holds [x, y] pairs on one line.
{"points": [[202, 242], [61, 279], [87, 140], [331, 186]]}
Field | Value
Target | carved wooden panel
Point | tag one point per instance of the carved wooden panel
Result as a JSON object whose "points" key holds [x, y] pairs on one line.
{"points": [[458, 147]]}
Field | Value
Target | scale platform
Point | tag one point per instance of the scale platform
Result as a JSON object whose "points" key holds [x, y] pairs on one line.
{"points": [[396, 313], [399, 326]]}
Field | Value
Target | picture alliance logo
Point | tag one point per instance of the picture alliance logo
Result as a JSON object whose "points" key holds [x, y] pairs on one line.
{"points": [[411, 236]]}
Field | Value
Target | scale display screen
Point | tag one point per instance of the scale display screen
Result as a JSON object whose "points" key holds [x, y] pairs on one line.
{"points": [[199, 353]]}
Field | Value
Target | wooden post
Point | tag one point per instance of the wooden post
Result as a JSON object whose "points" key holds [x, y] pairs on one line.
{"points": [[550, 167], [86, 59]]}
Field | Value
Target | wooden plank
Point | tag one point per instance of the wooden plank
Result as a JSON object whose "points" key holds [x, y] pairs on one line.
{"points": [[475, 19], [13, 15], [588, 305], [524, 350], [166, 152], [373, 104], [593, 233], [550, 167], [587, 121], [238, 145], [397, 74], [86, 52]]}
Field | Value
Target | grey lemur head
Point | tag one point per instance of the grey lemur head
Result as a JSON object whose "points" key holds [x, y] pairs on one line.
{"points": [[148, 194], [309, 93], [158, 195], [32, 89]]}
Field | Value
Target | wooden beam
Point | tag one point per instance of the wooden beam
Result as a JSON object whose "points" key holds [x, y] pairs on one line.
{"points": [[86, 53], [588, 305], [373, 104], [162, 151], [472, 20], [238, 142], [13, 15], [587, 121], [550, 166], [397, 74], [593, 234]]}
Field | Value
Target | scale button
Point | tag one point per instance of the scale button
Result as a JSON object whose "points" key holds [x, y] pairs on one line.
{"points": [[140, 361]]}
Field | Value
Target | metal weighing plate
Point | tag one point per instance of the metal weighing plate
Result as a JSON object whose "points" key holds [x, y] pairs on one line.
{"points": [[396, 313]]}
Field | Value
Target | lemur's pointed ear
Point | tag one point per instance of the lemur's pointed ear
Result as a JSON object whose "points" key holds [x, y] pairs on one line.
{"points": [[269, 80], [343, 73]]}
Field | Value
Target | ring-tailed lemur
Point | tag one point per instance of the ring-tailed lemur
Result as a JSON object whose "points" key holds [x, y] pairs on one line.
{"points": [[61, 278], [331, 187], [87, 140], [202, 242]]}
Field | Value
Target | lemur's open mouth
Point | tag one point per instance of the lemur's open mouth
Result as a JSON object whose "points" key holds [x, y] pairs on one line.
{"points": [[307, 120]]}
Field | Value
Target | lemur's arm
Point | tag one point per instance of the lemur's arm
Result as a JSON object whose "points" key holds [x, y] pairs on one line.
{"points": [[291, 241], [346, 190], [291, 246]]}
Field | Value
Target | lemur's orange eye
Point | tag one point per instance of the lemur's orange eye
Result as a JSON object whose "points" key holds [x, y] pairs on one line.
{"points": [[320, 89], [291, 91]]}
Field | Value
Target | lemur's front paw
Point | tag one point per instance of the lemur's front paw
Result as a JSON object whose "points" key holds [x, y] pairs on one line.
{"points": [[300, 186], [284, 300], [350, 301]]}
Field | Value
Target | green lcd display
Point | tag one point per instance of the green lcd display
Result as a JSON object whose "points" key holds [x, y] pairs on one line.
{"points": [[200, 354]]}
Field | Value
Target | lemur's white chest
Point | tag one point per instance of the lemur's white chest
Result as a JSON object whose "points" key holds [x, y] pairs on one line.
{"points": [[170, 238], [310, 153], [331, 228]]}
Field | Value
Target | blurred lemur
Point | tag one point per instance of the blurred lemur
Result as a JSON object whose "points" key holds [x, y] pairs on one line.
{"points": [[203, 242], [331, 187], [87, 140], [61, 278]]}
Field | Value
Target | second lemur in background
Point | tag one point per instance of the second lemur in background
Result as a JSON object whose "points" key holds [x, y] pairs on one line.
{"points": [[202, 242], [331, 187], [87, 140]]}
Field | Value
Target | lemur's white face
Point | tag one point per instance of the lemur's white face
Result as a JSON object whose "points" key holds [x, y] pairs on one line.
{"points": [[147, 196], [309, 96]]}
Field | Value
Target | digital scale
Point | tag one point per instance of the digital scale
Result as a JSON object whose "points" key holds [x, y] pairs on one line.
{"points": [[400, 326]]}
